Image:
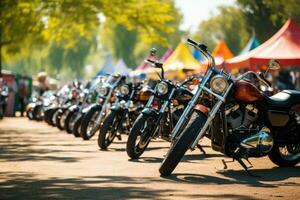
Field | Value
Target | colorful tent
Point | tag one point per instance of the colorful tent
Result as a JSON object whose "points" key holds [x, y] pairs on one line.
{"points": [[180, 62], [252, 44], [284, 46], [122, 68], [182, 59], [144, 66], [167, 54], [221, 52], [107, 67]]}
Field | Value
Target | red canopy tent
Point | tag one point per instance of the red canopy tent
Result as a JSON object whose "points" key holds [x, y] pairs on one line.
{"points": [[284, 46]]}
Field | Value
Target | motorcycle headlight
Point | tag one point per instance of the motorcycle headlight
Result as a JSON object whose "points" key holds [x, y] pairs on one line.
{"points": [[124, 89], [103, 91], [218, 84], [162, 88]]}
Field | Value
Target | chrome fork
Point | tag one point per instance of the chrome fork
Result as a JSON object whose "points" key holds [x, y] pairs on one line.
{"points": [[188, 110], [211, 116]]}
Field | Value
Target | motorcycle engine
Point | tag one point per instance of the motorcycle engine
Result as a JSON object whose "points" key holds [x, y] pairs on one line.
{"points": [[246, 136]]}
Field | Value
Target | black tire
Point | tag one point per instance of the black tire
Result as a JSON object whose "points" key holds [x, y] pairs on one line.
{"points": [[53, 116], [60, 119], [106, 135], [68, 121], [29, 114], [135, 150], [76, 128], [277, 157], [46, 115], [87, 121], [182, 144], [1, 112], [37, 113]]}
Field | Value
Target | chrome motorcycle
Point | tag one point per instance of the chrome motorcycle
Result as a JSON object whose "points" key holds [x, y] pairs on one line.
{"points": [[92, 120], [240, 120], [129, 103], [160, 114]]}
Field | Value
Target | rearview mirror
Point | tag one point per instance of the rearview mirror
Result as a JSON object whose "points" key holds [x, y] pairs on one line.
{"points": [[274, 65]]}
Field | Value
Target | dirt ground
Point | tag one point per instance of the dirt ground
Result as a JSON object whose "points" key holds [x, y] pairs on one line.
{"points": [[38, 162]]}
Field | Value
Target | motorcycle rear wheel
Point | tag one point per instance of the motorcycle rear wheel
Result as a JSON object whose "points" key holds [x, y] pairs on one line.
{"points": [[182, 144], [287, 156]]}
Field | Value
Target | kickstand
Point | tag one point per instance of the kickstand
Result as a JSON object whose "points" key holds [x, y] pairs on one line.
{"points": [[225, 163], [201, 149], [242, 163]]}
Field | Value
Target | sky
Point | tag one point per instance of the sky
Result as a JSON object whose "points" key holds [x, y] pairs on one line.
{"points": [[195, 11]]}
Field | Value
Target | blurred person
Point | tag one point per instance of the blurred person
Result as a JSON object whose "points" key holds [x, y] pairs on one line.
{"points": [[285, 80], [43, 83], [23, 93]]}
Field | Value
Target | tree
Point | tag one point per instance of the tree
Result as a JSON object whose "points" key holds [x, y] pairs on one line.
{"points": [[258, 16], [133, 44], [66, 22], [228, 25]]}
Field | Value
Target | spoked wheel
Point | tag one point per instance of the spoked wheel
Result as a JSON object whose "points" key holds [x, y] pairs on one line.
{"points": [[285, 156], [139, 137], [61, 117], [53, 117], [108, 130], [89, 124]]}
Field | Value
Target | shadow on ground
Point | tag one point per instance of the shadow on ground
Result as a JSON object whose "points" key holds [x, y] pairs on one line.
{"points": [[16, 147], [98, 187], [267, 177]]}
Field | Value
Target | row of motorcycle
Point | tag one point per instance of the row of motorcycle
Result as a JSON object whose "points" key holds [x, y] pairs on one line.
{"points": [[240, 119]]}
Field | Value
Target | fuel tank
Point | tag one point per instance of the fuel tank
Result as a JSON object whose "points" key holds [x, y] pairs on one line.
{"points": [[247, 92]]}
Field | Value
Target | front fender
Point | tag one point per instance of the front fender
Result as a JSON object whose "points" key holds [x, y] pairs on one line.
{"points": [[150, 112], [94, 105], [73, 108]]}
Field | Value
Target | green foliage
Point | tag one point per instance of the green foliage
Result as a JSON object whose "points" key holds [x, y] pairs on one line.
{"points": [[258, 17], [228, 25], [67, 29]]}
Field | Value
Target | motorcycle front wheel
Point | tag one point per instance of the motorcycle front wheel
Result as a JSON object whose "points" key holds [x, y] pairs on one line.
{"points": [[139, 137], [69, 120], [108, 130], [182, 144], [87, 129], [77, 123], [61, 117]]}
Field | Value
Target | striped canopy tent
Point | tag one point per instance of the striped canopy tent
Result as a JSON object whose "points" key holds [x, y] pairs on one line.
{"points": [[167, 54], [284, 47], [182, 63], [222, 53], [251, 44], [122, 68], [108, 67]]}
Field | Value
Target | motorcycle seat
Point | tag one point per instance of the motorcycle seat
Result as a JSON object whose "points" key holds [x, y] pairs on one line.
{"points": [[284, 99]]}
